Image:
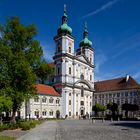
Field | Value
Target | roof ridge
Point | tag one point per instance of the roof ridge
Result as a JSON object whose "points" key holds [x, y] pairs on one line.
{"points": [[111, 79]]}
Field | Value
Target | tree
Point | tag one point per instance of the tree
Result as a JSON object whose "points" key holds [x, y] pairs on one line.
{"points": [[113, 107], [22, 58], [129, 107], [5, 105], [44, 71], [98, 108]]}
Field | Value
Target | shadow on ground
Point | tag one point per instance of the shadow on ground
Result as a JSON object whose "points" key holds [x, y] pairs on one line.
{"points": [[135, 125]]}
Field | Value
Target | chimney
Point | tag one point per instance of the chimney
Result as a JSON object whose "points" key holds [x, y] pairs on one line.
{"points": [[127, 78]]}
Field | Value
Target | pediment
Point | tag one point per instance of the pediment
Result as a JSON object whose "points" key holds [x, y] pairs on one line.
{"points": [[82, 58]]}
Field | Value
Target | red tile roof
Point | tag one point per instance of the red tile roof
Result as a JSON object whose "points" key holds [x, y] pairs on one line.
{"points": [[46, 90], [116, 84], [51, 64]]}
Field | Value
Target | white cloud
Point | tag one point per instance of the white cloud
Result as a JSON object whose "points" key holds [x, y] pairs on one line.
{"points": [[48, 51], [130, 43], [102, 8], [100, 59], [106, 76]]}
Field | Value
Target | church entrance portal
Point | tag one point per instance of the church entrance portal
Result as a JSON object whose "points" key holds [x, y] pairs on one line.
{"points": [[82, 112], [57, 114]]}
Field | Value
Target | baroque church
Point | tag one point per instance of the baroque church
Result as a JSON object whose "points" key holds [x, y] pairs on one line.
{"points": [[74, 71], [73, 93]]}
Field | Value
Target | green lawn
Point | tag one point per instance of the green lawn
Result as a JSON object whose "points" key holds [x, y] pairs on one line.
{"points": [[6, 138]]}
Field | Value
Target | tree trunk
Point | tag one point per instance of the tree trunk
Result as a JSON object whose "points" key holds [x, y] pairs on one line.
{"points": [[1, 123], [126, 114], [13, 118]]}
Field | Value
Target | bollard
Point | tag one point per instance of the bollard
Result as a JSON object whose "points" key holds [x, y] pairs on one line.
{"points": [[93, 121], [118, 118]]}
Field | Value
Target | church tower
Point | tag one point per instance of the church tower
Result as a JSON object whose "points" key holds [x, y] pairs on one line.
{"points": [[85, 46], [73, 72], [63, 60]]}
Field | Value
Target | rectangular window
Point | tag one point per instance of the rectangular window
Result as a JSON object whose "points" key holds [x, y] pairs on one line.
{"points": [[44, 113], [90, 77], [58, 70], [36, 99], [126, 94], [36, 113], [51, 113], [76, 113], [118, 102], [82, 92], [118, 94], [69, 113], [82, 102], [69, 102]]}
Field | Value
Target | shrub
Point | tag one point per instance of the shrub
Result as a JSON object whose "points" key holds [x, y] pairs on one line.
{"points": [[24, 125], [12, 126], [8, 126], [32, 124]]}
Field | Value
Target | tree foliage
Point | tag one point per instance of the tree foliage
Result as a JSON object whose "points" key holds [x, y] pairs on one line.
{"points": [[113, 107], [129, 107], [5, 104], [20, 55], [98, 107], [44, 71]]}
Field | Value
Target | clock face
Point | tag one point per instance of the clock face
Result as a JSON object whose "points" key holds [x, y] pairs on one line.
{"points": [[70, 43]]}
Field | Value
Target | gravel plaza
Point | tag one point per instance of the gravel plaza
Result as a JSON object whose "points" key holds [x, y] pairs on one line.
{"points": [[84, 130]]}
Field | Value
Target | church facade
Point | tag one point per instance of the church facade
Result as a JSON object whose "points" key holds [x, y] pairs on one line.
{"points": [[74, 72]]}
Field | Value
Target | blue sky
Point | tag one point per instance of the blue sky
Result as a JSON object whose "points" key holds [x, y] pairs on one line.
{"points": [[113, 25]]}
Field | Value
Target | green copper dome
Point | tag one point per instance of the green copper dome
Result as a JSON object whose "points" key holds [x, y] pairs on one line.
{"points": [[85, 41], [64, 28]]}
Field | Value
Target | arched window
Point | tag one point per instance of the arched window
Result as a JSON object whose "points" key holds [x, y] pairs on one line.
{"points": [[51, 113], [69, 49], [44, 99], [90, 60], [51, 100], [36, 113], [82, 76], [57, 101], [69, 70], [44, 113], [59, 48]]}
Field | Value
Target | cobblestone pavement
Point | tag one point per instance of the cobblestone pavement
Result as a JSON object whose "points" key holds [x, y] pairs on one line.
{"points": [[84, 130], [13, 133]]}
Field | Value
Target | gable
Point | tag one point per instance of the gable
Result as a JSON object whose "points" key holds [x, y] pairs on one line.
{"points": [[82, 58]]}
